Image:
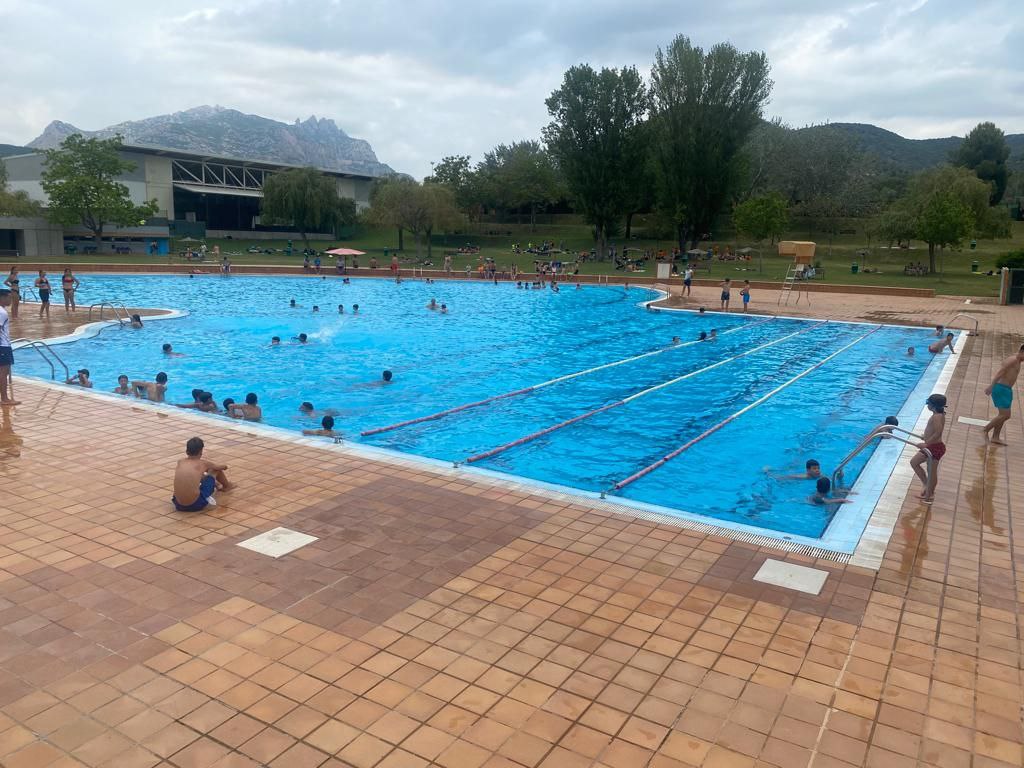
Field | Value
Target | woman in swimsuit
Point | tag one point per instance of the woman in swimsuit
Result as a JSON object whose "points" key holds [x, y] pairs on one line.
{"points": [[43, 286], [70, 284], [933, 442], [13, 282]]}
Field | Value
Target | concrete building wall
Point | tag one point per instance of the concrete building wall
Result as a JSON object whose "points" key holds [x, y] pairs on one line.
{"points": [[35, 236], [158, 184]]}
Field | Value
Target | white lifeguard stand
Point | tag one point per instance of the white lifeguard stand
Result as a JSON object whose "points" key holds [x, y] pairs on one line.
{"points": [[802, 252]]}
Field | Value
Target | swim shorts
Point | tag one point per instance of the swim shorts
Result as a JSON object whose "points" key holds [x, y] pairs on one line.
{"points": [[44, 296], [1002, 396], [6, 357], [725, 295], [938, 450], [206, 488]]}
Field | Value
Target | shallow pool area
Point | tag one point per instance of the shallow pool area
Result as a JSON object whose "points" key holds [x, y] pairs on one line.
{"points": [[736, 415]]}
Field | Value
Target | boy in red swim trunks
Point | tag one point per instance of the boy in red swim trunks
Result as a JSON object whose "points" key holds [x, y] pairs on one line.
{"points": [[933, 442]]}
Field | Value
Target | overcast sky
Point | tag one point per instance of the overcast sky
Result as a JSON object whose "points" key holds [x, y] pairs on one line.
{"points": [[421, 79]]}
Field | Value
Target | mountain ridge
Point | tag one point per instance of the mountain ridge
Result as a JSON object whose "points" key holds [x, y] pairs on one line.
{"points": [[223, 132]]}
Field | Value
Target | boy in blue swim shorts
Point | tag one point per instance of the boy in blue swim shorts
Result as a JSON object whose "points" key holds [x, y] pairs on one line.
{"points": [[196, 479], [1001, 391]]}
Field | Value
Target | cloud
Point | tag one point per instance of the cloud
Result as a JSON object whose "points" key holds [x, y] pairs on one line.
{"points": [[422, 80]]}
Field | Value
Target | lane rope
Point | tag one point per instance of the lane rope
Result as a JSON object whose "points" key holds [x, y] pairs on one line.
{"points": [[543, 384], [689, 444], [641, 393]]}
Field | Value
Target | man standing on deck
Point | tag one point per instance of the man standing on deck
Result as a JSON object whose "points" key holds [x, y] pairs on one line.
{"points": [[1001, 390], [6, 352]]}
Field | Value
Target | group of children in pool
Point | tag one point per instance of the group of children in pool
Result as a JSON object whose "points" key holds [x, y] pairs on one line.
{"points": [[931, 445]]}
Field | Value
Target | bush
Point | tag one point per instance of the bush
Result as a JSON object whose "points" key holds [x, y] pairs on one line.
{"points": [[1012, 260]]}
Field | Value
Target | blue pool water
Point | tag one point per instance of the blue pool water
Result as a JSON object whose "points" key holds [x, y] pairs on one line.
{"points": [[497, 338]]}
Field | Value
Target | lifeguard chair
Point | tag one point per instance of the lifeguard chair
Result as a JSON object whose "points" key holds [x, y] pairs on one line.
{"points": [[802, 252]]}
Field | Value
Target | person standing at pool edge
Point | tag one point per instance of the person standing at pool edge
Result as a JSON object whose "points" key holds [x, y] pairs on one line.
{"points": [[933, 443], [687, 280], [6, 352], [42, 285], [725, 286], [745, 293], [13, 282], [69, 283], [1001, 391]]}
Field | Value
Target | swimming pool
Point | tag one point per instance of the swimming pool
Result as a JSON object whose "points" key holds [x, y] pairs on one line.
{"points": [[786, 389]]}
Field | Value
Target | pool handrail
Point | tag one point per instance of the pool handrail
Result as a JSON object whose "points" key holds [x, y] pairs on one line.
{"points": [[113, 305], [969, 317], [708, 432], [39, 346], [880, 433]]}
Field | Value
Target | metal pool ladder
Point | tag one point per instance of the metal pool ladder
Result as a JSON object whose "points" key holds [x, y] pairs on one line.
{"points": [[119, 310], [969, 317], [883, 432], [46, 352]]}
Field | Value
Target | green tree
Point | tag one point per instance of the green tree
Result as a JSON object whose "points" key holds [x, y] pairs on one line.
{"points": [[306, 199], [17, 204], [985, 152], [704, 106], [521, 175], [421, 209], [80, 179], [946, 205], [456, 173], [763, 217], [596, 139]]}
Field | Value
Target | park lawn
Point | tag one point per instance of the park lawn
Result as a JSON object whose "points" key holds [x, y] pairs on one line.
{"points": [[955, 277]]}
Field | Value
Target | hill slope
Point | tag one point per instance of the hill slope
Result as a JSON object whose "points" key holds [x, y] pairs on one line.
{"points": [[229, 133], [911, 154]]}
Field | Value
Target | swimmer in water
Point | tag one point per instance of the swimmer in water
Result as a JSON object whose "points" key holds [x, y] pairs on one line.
{"points": [[316, 308], [432, 304], [821, 497], [292, 304], [675, 340], [937, 346], [326, 428], [444, 309], [703, 336], [341, 309], [275, 341], [355, 309], [303, 338], [910, 351], [169, 351]]}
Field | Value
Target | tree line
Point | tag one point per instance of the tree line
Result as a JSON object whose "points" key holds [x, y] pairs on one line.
{"points": [[687, 147]]}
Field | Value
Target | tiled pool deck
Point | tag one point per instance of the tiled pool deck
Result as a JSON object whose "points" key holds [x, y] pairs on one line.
{"points": [[441, 621]]}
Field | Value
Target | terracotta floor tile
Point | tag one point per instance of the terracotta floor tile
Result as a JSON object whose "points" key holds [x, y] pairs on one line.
{"points": [[451, 620]]}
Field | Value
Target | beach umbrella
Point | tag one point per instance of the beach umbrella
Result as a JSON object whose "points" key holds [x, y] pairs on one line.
{"points": [[345, 252]]}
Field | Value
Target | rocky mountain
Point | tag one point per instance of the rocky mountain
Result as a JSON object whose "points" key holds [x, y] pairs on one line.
{"points": [[223, 132]]}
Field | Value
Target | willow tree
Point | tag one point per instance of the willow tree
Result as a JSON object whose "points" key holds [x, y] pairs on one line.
{"points": [[306, 199], [704, 106]]}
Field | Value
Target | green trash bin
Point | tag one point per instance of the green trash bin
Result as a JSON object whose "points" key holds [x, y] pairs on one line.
{"points": [[854, 268], [974, 266]]}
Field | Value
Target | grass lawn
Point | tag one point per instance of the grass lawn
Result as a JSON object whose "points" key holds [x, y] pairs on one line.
{"points": [[955, 277]]}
